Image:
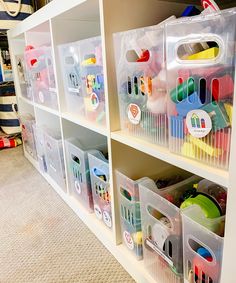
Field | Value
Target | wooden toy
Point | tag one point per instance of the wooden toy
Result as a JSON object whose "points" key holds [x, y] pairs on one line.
{"points": [[183, 90], [210, 53], [177, 126], [192, 102]]}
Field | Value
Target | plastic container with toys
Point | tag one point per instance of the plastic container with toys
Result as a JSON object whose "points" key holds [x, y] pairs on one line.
{"points": [[141, 82], [70, 68], [24, 78], [99, 175], [78, 170], [200, 55], [27, 121], [55, 159], [203, 238], [92, 77], [160, 202], [130, 214], [39, 142], [39, 64]]}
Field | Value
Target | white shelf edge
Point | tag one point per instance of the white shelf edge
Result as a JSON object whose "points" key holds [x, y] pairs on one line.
{"points": [[47, 109], [216, 175], [85, 123], [135, 268]]}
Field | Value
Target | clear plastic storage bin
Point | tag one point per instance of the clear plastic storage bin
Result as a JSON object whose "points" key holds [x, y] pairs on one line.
{"points": [[39, 142], [200, 73], [70, 67], [24, 80], [203, 237], [99, 174], [141, 82], [39, 63], [55, 160], [27, 122], [92, 79], [162, 227], [78, 171], [130, 214]]}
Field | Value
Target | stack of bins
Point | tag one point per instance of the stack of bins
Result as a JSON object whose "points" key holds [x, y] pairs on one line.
{"points": [[78, 170], [39, 64], [141, 82], [206, 235], [99, 175], [200, 54], [92, 79], [70, 67], [162, 228]]}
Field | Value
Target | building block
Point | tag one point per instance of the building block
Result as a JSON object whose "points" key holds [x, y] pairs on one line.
{"points": [[222, 87], [183, 90], [222, 140], [204, 146], [177, 126], [229, 111], [190, 103], [187, 150], [190, 11], [218, 114], [210, 53]]}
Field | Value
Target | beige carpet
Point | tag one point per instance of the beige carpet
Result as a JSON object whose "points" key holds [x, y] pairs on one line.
{"points": [[41, 239]]}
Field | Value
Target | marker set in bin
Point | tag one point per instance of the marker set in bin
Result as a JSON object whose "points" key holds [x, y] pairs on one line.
{"points": [[39, 67], [152, 213], [141, 81], [200, 78], [82, 68], [184, 67], [88, 172]]}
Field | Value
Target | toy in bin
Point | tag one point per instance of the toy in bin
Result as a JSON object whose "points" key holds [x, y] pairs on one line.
{"points": [[200, 82], [141, 81], [203, 229], [39, 64], [93, 79], [99, 175], [160, 202], [130, 214]]}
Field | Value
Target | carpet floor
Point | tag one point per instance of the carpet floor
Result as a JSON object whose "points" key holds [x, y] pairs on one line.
{"points": [[41, 239]]}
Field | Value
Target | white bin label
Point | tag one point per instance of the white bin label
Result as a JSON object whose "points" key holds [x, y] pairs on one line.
{"points": [[98, 211], [199, 123], [128, 240], [107, 219], [134, 113]]}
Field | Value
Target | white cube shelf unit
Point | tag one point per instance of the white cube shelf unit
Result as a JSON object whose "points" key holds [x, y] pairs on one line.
{"points": [[62, 22]]}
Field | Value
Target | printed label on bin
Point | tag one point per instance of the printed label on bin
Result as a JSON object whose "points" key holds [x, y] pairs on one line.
{"points": [[134, 113], [78, 187], [128, 240], [107, 219], [94, 100], [98, 211], [158, 251], [199, 123]]}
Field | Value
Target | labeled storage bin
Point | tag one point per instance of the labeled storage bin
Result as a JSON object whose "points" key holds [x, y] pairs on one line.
{"points": [[71, 72], [78, 171], [24, 79], [99, 175], [39, 142], [55, 159], [27, 122], [39, 63], [141, 82], [130, 214], [92, 79], [200, 73], [203, 236], [161, 224]]}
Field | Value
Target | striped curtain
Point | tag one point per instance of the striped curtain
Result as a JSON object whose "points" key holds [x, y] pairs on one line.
{"points": [[9, 121], [14, 11]]}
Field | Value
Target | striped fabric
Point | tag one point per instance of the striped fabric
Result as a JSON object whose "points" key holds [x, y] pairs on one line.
{"points": [[6, 20], [9, 121]]}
